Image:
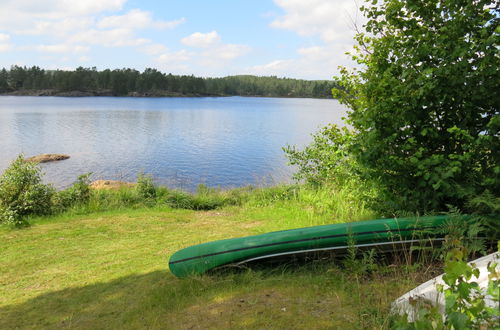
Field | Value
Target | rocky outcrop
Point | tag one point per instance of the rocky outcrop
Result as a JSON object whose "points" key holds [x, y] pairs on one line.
{"points": [[44, 158], [110, 184]]}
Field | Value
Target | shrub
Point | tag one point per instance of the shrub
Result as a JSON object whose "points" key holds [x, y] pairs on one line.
{"points": [[22, 193], [78, 194], [326, 159], [145, 186], [424, 103]]}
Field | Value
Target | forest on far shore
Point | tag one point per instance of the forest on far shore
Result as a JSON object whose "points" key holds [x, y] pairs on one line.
{"points": [[19, 80]]}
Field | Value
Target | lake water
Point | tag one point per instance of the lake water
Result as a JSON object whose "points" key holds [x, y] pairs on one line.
{"points": [[181, 142]]}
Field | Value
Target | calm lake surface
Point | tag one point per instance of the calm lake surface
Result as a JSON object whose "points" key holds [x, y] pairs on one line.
{"points": [[182, 142]]}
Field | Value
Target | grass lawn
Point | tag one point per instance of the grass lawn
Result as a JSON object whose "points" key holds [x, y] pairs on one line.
{"points": [[109, 270]]}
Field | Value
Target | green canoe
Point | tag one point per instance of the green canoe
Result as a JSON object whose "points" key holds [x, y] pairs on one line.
{"points": [[200, 258]]}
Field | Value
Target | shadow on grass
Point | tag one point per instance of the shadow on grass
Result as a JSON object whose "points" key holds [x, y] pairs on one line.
{"points": [[314, 296], [115, 304]]}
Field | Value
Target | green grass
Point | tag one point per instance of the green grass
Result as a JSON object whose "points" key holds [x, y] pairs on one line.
{"points": [[109, 270]]}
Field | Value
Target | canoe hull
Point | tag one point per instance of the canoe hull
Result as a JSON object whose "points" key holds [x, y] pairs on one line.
{"points": [[200, 258]]}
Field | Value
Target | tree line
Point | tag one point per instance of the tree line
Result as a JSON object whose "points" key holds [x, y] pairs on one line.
{"points": [[152, 82]]}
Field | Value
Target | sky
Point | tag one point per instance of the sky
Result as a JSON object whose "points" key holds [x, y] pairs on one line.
{"points": [[304, 39]]}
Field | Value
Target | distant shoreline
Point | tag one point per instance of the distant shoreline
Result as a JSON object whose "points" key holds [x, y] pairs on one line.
{"points": [[77, 93], [34, 81], [109, 93]]}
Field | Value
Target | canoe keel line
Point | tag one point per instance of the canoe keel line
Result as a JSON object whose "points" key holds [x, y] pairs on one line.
{"points": [[200, 258]]}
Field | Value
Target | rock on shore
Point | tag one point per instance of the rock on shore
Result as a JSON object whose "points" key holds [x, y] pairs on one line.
{"points": [[110, 184], [44, 158]]}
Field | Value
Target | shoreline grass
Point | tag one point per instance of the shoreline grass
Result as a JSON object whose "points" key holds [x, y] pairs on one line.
{"points": [[108, 269]]}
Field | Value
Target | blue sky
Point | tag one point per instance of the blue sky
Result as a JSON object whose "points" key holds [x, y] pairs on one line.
{"points": [[292, 38]]}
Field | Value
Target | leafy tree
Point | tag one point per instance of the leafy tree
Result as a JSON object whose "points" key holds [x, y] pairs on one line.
{"points": [[424, 101]]}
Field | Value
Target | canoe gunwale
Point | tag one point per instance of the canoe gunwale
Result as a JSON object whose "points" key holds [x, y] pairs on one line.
{"points": [[317, 238], [377, 244]]}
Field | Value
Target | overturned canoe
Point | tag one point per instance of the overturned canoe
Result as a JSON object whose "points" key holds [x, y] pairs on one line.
{"points": [[198, 259]]}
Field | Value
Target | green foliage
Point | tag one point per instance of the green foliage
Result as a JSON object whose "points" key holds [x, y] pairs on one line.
{"points": [[271, 195], [326, 160], [205, 198], [22, 193], [359, 262], [424, 102], [469, 231], [465, 306], [145, 186], [77, 195]]}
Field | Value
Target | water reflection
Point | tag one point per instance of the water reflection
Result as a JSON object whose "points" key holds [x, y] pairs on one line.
{"points": [[182, 142]]}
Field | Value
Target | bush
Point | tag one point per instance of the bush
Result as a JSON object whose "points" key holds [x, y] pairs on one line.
{"points": [[424, 102], [326, 159], [78, 194], [145, 186], [22, 193]]}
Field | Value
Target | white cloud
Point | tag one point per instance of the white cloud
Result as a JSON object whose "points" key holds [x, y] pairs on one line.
{"points": [[317, 62], [5, 47], [61, 8], [108, 38], [75, 26], [226, 52], [58, 28], [202, 40], [62, 48], [327, 26], [154, 49], [20, 14], [136, 19], [4, 37], [5, 44], [174, 57], [179, 62], [331, 20], [213, 48], [208, 55], [277, 67]]}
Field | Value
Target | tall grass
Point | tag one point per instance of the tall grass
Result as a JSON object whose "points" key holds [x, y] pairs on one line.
{"points": [[293, 206], [280, 207]]}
